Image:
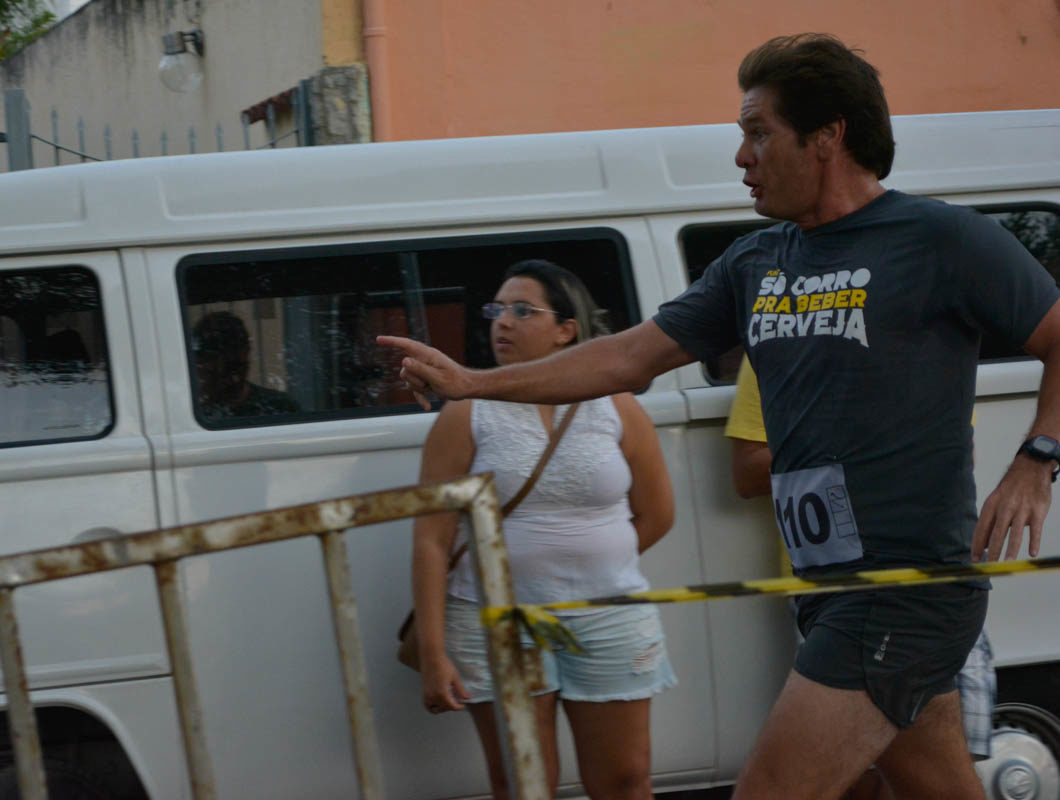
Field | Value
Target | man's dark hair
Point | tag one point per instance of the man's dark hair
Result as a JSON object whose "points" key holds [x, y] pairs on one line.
{"points": [[817, 80], [220, 333]]}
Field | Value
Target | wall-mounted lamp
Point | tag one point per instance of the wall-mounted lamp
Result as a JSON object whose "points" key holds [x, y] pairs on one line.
{"points": [[181, 68]]}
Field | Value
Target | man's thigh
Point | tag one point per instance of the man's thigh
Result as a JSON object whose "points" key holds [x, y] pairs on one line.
{"points": [[929, 760], [816, 741]]}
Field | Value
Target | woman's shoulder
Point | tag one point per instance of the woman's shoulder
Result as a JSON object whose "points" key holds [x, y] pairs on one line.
{"points": [[601, 415], [449, 448], [626, 405], [631, 414], [454, 414]]}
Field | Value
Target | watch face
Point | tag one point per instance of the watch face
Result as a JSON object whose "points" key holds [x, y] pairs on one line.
{"points": [[1044, 447]]}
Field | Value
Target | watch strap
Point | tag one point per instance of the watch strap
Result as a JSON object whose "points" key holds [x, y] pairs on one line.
{"points": [[1030, 449]]}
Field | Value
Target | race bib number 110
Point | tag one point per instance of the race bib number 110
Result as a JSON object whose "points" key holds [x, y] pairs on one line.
{"points": [[815, 516]]}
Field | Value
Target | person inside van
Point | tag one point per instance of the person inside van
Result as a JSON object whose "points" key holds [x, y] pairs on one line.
{"points": [[862, 313], [603, 498], [221, 347], [65, 352], [751, 460]]}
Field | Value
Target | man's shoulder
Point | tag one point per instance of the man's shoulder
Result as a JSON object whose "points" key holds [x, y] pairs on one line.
{"points": [[897, 215], [925, 209]]}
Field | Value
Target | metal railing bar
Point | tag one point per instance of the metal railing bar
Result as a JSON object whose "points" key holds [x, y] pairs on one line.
{"points": [[270, 123], [354, 672], [65, 149], [516, 672], [139, 549], [22, 723], [55, 134], [200, 771], [277, 140]]}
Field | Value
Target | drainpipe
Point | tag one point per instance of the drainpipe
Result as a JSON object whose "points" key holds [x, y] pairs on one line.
{"points": [[375, 56]]}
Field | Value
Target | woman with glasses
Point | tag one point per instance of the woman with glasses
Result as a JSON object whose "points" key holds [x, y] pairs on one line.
{"points": [[603, 498]]}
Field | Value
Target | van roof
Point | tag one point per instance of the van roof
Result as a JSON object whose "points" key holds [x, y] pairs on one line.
{"points": [[393, 185]]}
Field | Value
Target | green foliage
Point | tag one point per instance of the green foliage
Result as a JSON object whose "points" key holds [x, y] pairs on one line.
{"points": [[22, 21]]}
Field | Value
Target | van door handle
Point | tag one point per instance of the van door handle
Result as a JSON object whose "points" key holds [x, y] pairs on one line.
{"points": [[93, 534]]}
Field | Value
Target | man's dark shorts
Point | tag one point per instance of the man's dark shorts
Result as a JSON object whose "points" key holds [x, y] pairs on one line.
{"points": [[903, 646]]}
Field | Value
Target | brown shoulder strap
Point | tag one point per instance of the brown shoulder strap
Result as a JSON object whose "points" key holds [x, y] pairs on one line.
{"points": [[553, 441], [524, 490]]}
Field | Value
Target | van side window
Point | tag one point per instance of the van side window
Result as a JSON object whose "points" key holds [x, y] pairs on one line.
{"points": [[1036, 226], [701, 244], [288, 335], [54, 377], [1038, 229]]}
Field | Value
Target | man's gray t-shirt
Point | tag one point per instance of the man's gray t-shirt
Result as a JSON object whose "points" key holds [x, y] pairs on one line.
{"points": [[864, 334]]}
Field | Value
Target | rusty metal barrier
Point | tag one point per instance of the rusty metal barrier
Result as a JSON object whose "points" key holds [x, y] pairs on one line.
{"points": [[513, 672]]}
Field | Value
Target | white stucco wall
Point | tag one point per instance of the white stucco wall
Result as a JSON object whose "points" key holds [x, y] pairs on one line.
{"points": [[101, 64]]}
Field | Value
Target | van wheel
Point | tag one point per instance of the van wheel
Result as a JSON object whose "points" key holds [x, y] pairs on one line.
{"points": [[65, 782], [1024, 761]]}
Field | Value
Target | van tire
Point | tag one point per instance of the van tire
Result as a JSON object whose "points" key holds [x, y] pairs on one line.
{"points": [[1025, 762], [65, 781]]}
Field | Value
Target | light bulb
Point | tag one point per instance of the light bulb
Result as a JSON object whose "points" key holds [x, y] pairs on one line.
{"points": [[180, 72], [181, 68]]}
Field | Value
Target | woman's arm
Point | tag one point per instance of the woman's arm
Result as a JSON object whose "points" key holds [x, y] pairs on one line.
{"points": [[651, 497], [447, 453]]}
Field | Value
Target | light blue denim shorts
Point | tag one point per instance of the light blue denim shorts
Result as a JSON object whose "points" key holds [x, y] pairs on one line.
{"points": [[625, 654]]}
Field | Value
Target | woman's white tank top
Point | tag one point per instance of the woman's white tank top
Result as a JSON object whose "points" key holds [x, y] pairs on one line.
{"points": [[571, 537]]}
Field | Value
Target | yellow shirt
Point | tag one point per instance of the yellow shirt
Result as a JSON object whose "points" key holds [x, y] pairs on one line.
{"points": [[745, 416], [745, 422]]}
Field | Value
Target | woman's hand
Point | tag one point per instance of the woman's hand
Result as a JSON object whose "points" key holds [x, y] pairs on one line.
{"points": [[442, 688], [447, 453]]}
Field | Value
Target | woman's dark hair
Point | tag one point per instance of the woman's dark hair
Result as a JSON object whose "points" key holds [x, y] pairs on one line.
{"points": [[565, 293], [818, 80]]}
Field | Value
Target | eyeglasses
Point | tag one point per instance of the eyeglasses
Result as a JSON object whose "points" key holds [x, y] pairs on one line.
{"points": [[519, 309]]}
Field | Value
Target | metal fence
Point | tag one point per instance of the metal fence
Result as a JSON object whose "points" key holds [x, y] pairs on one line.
{"points": [[163, 549], [20, 137]]}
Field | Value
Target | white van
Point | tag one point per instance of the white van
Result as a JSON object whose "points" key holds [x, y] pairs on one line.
{"points": [[108, 423]]}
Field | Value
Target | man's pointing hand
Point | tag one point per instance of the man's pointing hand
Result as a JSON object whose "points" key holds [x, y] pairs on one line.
{"points": [[426, 369]]}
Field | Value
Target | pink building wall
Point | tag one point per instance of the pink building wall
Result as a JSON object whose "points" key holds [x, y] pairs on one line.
{"points": [[481, 67]]}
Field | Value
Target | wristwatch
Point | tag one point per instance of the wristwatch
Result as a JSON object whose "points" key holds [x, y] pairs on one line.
{"points": [[1043, 448]]}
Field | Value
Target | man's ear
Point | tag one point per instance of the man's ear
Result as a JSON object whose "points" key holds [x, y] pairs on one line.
{"points": [[829, 138]]}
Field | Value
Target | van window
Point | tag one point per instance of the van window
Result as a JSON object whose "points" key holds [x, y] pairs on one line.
{"points": [[54, 378], [1038, 229], [1037, 226], [280, 336], [701, 244]]}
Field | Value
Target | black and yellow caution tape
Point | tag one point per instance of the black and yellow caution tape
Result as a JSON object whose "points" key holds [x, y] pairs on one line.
{"points": [[544, 626]]}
